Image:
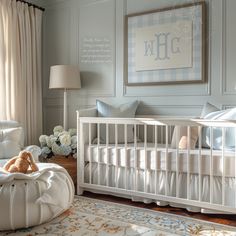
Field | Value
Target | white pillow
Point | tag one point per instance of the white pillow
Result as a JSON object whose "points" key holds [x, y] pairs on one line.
{"points": [[124, 111], [182, 142], [11, 142], [229, 114], [207, 109]]}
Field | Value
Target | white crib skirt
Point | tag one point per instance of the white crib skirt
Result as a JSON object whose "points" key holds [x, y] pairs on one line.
{"points": [[160, 183]]}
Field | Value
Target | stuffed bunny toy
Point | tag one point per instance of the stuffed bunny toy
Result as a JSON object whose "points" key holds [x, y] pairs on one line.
{"points": [[23, 163]]}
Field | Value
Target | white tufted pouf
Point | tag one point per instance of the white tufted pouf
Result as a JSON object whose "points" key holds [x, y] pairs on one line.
{"points": [[28, 200]]}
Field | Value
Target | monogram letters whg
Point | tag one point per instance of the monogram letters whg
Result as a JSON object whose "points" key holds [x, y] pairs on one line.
{"points": [[164, 47]]}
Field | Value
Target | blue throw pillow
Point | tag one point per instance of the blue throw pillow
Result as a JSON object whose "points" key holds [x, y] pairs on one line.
{"points": [[208, 108], [229, 114], [126, 110]]}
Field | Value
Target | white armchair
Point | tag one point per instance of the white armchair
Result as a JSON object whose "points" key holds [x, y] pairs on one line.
{"points": [[12, 141]]}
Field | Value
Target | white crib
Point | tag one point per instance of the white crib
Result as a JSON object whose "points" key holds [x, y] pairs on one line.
{"points": [[149, 169]]}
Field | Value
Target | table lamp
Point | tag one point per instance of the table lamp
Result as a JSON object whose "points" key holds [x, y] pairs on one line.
{"points": [[65, 77]]}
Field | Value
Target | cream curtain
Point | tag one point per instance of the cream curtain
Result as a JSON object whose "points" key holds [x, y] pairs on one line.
{"points": [[20, 66]]}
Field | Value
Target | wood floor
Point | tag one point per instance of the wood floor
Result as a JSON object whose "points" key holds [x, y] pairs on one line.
{"points": [[221, 219]]}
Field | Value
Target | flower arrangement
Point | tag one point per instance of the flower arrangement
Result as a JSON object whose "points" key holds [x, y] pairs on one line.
{"points": [[61, 142]]}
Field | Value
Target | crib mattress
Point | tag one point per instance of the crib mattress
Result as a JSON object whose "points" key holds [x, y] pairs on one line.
{"points": [[159, 159]]}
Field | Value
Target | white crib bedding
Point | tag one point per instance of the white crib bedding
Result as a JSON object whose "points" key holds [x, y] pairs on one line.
{"points": [[107, 155], [156, 183]]}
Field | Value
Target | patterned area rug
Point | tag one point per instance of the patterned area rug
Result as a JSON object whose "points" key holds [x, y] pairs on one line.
{"points": [[90, 217]]}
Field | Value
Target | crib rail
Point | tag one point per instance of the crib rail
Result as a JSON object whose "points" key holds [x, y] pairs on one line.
{"points": [[159, 121], [142, 157]]}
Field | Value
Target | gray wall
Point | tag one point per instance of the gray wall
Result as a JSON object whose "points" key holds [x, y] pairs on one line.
{"points": [[67, 22]]}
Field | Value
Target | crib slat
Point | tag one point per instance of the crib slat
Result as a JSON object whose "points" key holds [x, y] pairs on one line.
{"points": [[177, 160], [98, 153], [81, 156], [135, 159], [188, 162], [223, 166], [138, 131], [211, 165], [156, 161], [166, 159], [162, 135], [126, 161], [153, 133], [116, 155], [235, 167], [145, 156], [169, 133], [200, 163], [90, 158], [107, 156]]}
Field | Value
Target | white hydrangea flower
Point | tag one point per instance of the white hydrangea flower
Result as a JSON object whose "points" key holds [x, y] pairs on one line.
{"points": [[60, 143], [56, 149], [42, 140], [64, 133], [56, 134], [66, 150], [74, 142], [65, 139], [61, 150], [74, 139], [58, 129], [72, 132], [50, 140]]}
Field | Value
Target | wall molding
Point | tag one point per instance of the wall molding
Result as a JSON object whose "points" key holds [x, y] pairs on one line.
{"points": [[98, 93], [58, 104], [156, 94], [224, 51], [223, 47], [227, 106], [74, 46], [209, 47], [159, 110]]}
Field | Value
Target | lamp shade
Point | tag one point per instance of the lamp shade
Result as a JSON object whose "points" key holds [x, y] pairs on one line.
{"points": [[64, 77]]}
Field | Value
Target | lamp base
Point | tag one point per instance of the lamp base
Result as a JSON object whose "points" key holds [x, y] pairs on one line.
{"points": [[65, 121]]}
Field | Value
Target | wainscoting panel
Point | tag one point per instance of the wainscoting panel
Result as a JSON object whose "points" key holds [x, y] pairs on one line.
{"points": [[97, 41], [170, 110], [228, 47]]}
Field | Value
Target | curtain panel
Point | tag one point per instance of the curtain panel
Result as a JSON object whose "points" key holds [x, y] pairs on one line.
{"points": [[20, 66]]}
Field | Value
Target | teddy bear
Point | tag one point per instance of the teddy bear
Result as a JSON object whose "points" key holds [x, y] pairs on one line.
{"points": [[23, 163]]}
